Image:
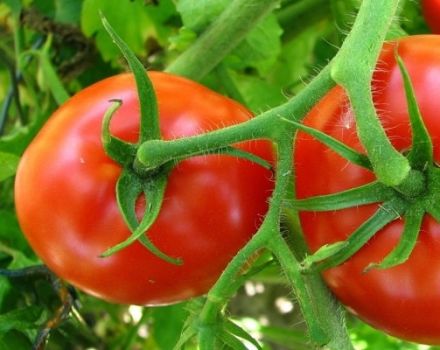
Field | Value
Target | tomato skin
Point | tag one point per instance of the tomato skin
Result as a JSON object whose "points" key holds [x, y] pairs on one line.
{"points": [[431, 13], [405, 300], [65, 195]]}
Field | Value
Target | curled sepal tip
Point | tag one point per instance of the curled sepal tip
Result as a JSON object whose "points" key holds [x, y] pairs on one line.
{"points": [[117, 149], [149, 123], [128, 191]]}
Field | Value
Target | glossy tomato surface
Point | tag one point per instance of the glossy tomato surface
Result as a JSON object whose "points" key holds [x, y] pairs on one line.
{"points": [[431, 12], [404, 300], [65, 195]]}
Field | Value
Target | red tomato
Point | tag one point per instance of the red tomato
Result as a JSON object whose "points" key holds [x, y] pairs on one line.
{"points": [[431, 12], [65, 195], [404, 300]]}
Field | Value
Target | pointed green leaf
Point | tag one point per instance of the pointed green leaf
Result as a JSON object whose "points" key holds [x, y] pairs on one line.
{"points": [[154, 192], [337, 146], [128, 190], [50, 75], [236, 152], [239, 332], [386, 213], [231, 341], [149, 123], [421, 153], [370, 193], [408, 240]]}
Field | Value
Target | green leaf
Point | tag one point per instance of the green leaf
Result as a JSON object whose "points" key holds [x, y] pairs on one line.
{"points": [[17, 141], [335, 145], [239, 332], [15, 6], [197, 15], [286, 338], [258, 94], [370, 193], [21, 319], [421, 153], [296, 58], [408, 240], [50, 78], [10, 232], [149, 120], [325, 252], [8, 165], [386, 213], [68, 11], [19, 259], [231, 341], [259, 49], [262, 46], [167, 324], [133, 21], [182, 40], [238, 153], [117, 149], [154, 193], [128, 189], [15, 340]]}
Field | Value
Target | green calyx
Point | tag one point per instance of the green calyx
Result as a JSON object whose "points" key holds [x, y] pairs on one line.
{"points": [[147, 163], [135, 182], [414, 195]]}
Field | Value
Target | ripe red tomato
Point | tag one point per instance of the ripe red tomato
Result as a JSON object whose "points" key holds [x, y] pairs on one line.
{"points": [[65, 195], [404, 300], [431, 12]]}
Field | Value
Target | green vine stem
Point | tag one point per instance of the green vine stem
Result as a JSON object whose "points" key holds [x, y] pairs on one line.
{"points": [[357, 58], [154, 153], [221, 37], [314, 302]]}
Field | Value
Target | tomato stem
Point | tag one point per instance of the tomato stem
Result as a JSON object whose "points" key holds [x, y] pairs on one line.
{"points": [[357, 58], [230, 28], [268, 125], [310, 291]]}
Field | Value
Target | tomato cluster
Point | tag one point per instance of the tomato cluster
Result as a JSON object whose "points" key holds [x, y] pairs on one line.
{"points": [[403, 300], [66, 205]]}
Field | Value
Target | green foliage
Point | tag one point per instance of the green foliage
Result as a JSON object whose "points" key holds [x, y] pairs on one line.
{"points": [[133, 21], [63, 49], [8, 165]]}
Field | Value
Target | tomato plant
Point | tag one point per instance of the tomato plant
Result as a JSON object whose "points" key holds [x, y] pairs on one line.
{"points": [[66, 205], [431, 12], [403, 300]]}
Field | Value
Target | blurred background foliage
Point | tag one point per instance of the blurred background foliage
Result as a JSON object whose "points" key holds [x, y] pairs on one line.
{"points": [[50, 49]]}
